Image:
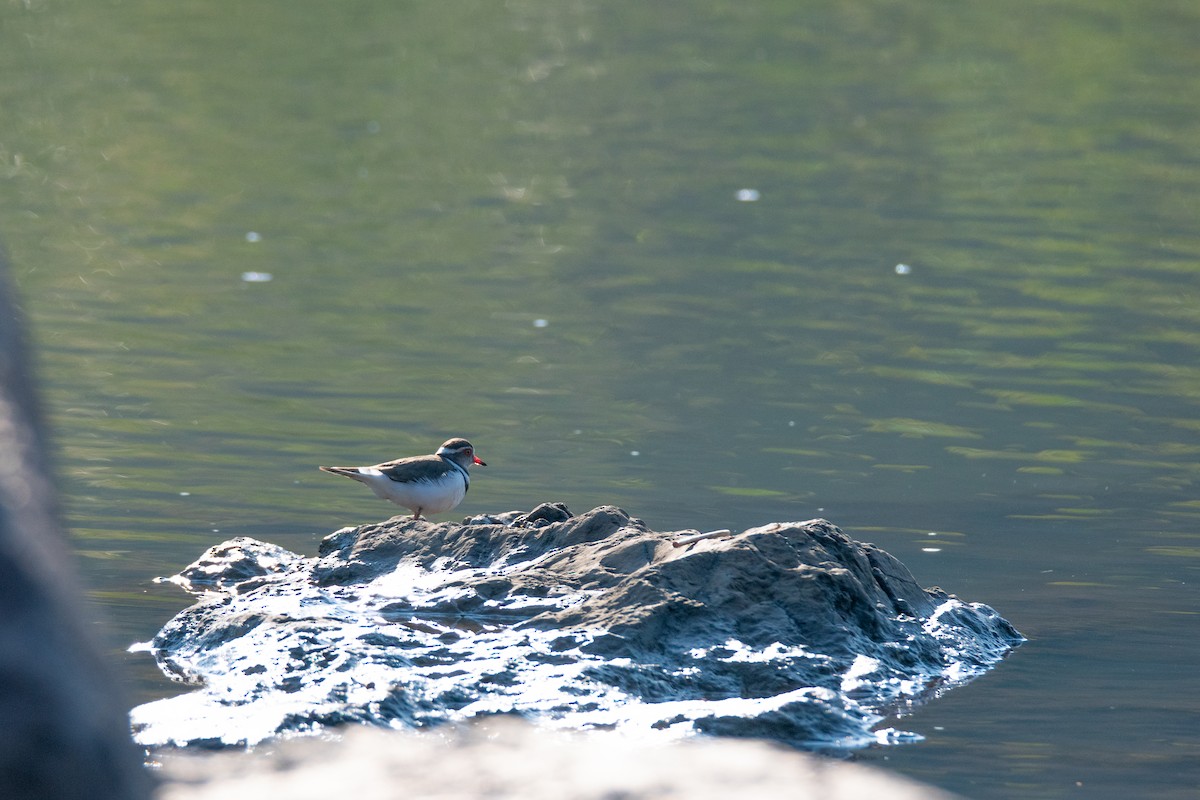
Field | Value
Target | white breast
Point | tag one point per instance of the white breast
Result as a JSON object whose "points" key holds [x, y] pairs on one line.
{"points": [[432, 497]]}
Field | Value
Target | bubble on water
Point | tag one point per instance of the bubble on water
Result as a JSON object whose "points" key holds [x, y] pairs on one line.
{"points": [[256, 277], [903, 269], [747, 195], [253, 236], [634, 453], [540, 323]]}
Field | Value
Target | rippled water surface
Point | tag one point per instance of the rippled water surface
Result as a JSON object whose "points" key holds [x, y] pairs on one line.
{"points": [[929, 271]]}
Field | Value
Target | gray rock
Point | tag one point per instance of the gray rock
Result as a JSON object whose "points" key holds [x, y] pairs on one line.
{"points": [[790, 631]]}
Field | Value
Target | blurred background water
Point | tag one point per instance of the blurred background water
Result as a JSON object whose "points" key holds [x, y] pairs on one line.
{"points": [[931, 271]]}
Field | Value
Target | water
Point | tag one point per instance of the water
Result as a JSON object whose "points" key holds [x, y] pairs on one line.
{"points": [[647, 255]]}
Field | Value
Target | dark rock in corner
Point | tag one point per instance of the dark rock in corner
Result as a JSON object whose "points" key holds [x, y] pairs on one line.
{"points": [[791, 631], [63, 729]]}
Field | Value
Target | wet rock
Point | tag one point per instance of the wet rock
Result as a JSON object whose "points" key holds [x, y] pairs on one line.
{"points": [[791, 631]]}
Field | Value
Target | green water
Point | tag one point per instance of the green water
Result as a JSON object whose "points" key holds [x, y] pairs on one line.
{"points": [[520, 222]]}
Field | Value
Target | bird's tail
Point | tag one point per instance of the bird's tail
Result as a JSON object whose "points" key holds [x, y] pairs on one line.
{"points": [[349, 472]]}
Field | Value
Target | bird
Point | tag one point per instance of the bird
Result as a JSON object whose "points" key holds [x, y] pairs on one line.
{"points": [[423, 484]]}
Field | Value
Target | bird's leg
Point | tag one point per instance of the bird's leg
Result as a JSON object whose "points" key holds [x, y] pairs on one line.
{"points": [[417, 515]]}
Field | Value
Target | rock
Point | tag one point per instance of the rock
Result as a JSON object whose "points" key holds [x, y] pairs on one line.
{"points": [[503, 758], [543, 515], [790, 631], [63, 728]]}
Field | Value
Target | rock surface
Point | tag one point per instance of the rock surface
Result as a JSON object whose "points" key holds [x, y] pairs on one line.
{"points": [[508, 759], [789, 631]]}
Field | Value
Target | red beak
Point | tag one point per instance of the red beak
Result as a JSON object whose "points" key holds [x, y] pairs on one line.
{"points": [[477, 461]]}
